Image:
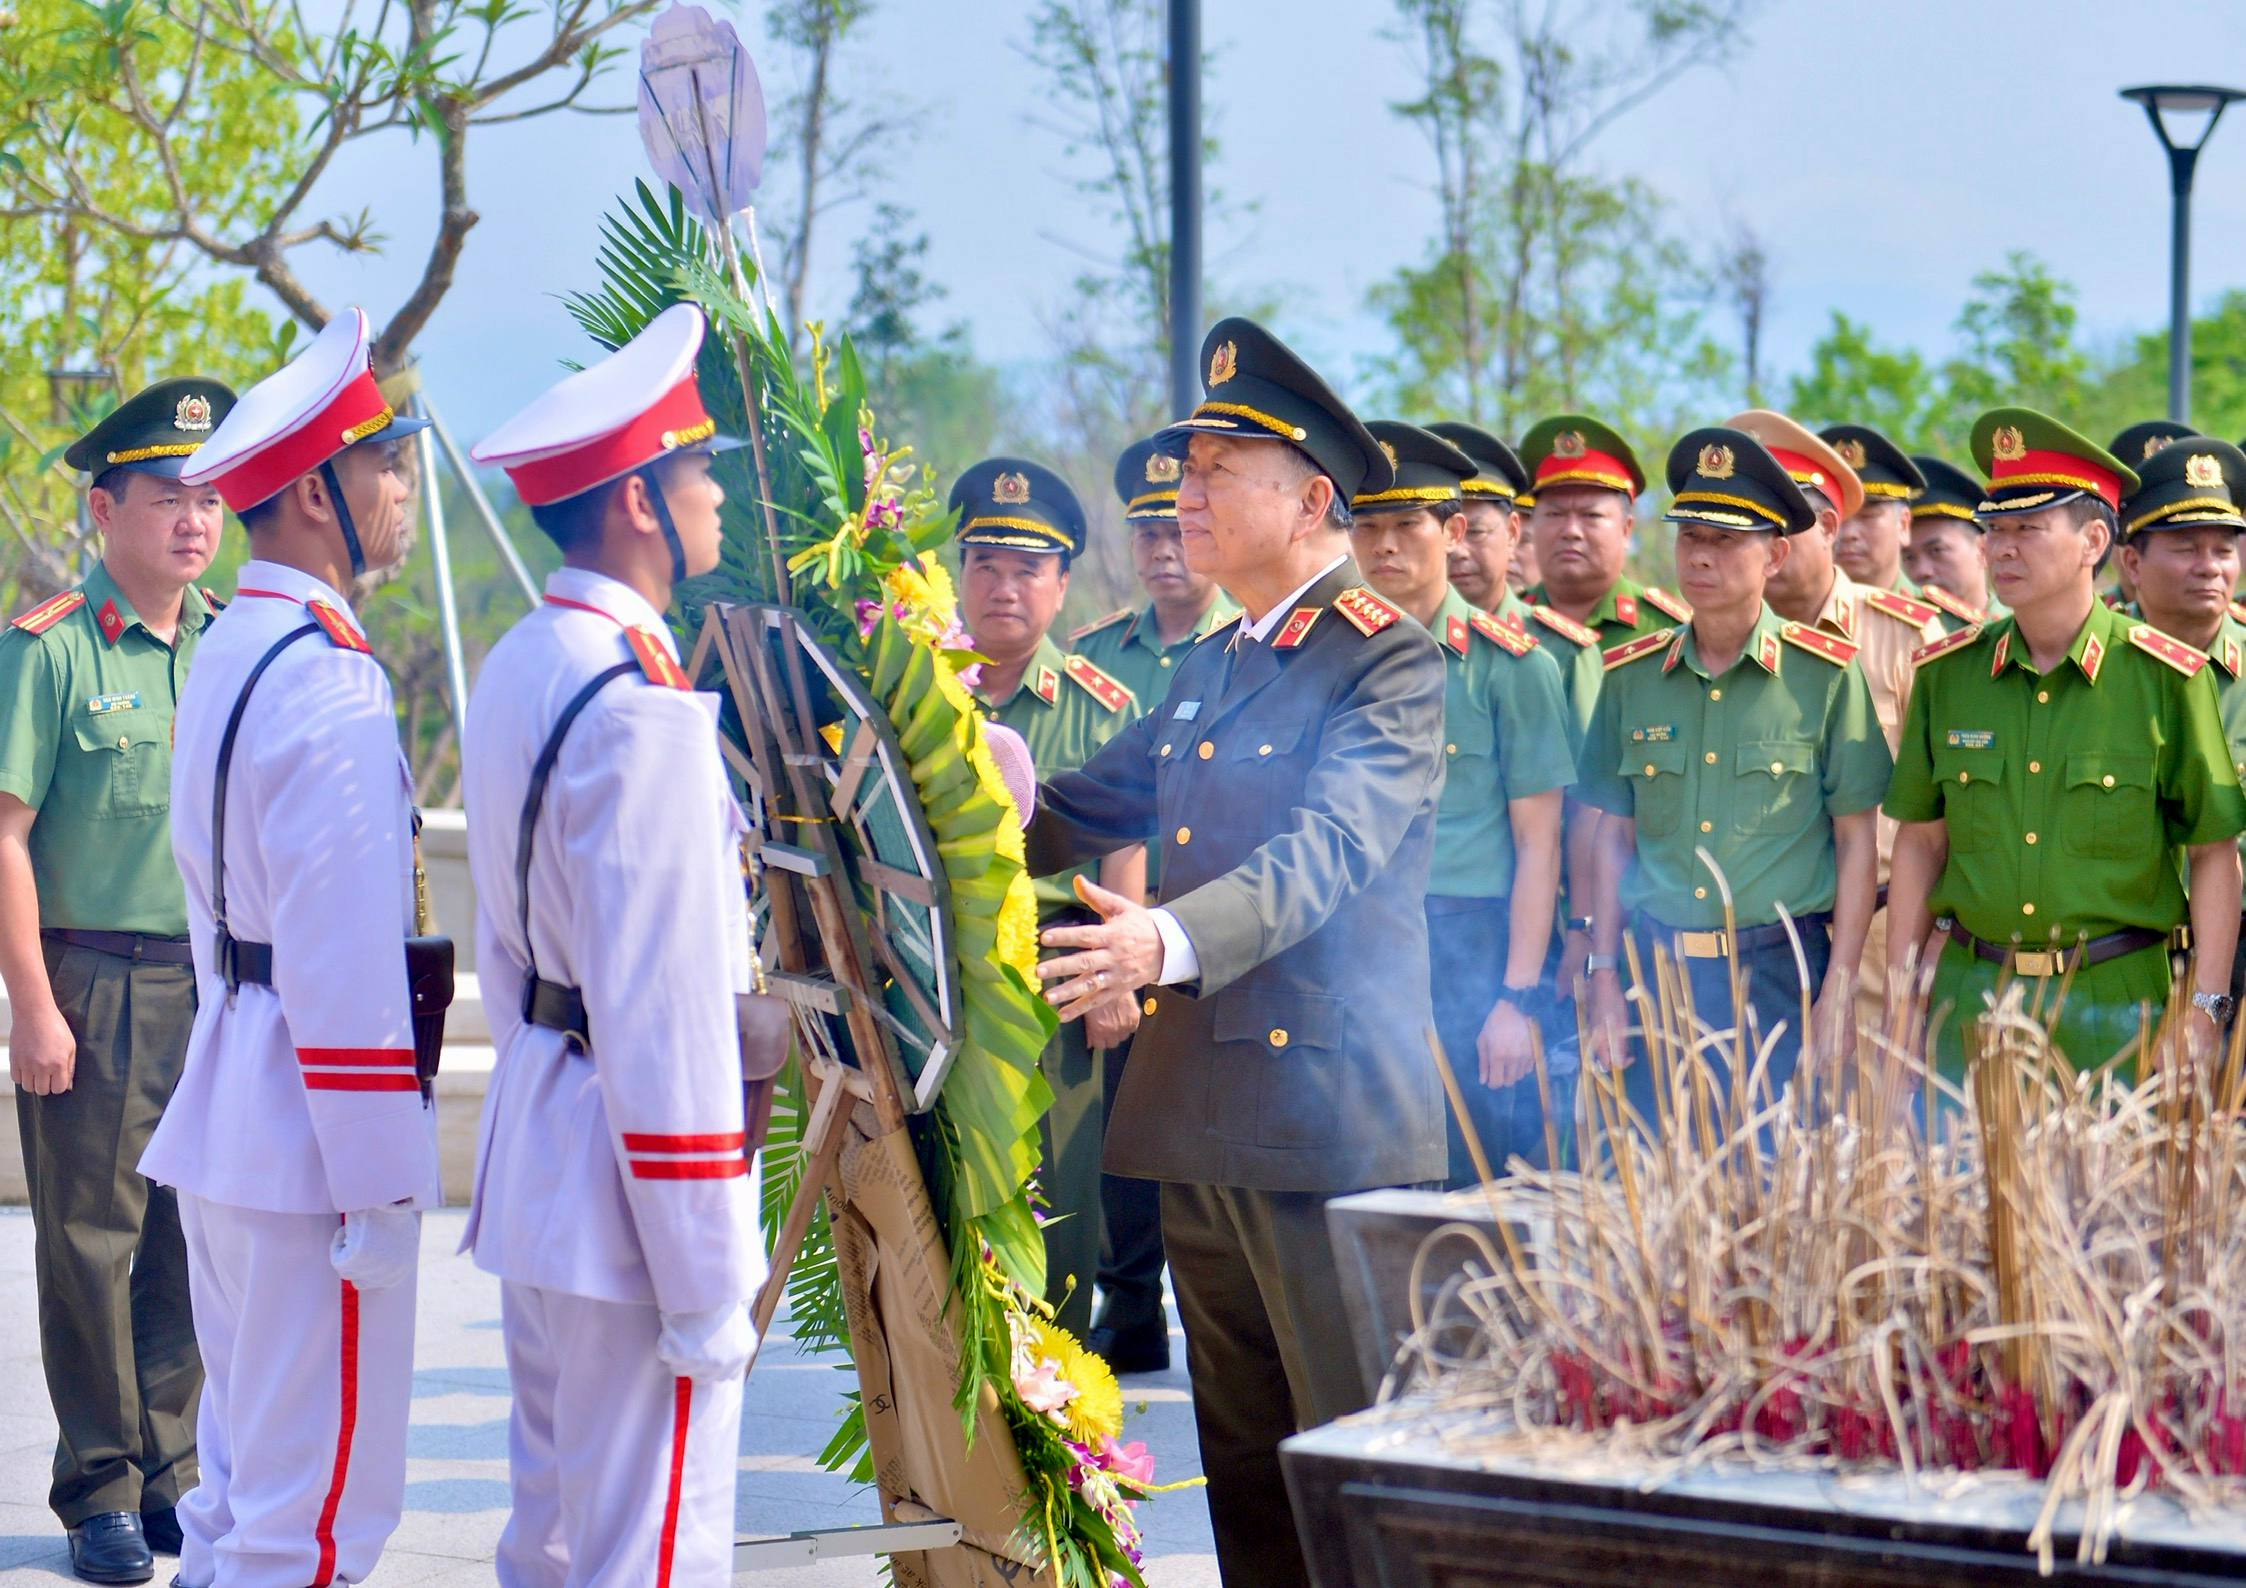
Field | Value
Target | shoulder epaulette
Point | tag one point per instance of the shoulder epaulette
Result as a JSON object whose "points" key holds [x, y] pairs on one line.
{"points": [[654, 660], [1946, 644], [2238, 610], [1098, 624], [209, 599], [1220, 626], [1109, 692], [1935, 595], [2185, 659], [1368, 612], [1675, 605], [51, 611], [1498, 634], [338, 627], [1898, 605], [1631, 650], [1817, 642], [1564, 626]]}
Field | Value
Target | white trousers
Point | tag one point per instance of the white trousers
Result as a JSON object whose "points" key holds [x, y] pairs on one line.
{"points": [[307, 1386], [623, 1474]]}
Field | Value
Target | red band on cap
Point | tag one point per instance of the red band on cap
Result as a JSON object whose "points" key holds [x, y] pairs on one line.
{"points": [[1586, 468], [1803, 470], [314, 440], [675, 419], [2062, 469]]}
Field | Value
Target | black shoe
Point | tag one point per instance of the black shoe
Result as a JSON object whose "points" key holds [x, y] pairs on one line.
{"points": [[110, 1548], [161, 1529], [1140, 1348]]}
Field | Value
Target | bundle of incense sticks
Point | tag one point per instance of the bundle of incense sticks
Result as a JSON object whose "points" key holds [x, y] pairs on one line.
{"points": [[2030, 1268]]}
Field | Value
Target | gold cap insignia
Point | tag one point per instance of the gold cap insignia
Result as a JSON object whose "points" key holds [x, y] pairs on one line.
{"points": [[2008, 445], [1568, 444], [1716, 462], [2154, 444], [2202, 470], [1389, 452], [1851, 453], [1224, 363], [1161, 469], [1010, 490], [193, 413]]}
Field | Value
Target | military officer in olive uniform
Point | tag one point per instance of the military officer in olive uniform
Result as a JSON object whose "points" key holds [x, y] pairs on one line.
{"points": [[1944, 556], [1874, 532], [1141, 647], [93, 946], [1749, 737], [2052, 763], [1508, 752], [2180, 549], [1019, 528], [1584, 480], [2135, 444], [1294, 770]]}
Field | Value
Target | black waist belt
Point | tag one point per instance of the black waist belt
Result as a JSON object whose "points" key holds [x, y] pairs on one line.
{"points": [[2055, 961], [1719, 944], [244, 964], [136, 946], [557, 1008]]}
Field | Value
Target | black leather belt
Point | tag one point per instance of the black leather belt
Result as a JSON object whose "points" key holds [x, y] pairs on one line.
{"points": [[557, 1008], [243, 964], [139, 947], [2054, 961], [1718, 944]]}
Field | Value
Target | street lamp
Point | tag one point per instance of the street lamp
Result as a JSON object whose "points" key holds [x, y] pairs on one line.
{"points": [[70, 391], [2183, 102]]}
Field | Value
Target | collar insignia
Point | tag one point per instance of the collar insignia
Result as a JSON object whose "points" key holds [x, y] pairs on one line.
{"points": [[2003, 649], [1297, 627], [112, 622]]}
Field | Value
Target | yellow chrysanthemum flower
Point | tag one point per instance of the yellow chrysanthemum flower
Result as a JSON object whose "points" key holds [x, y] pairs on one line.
{"points": [[1017, 927], [941, 595], [1095, 1412]]}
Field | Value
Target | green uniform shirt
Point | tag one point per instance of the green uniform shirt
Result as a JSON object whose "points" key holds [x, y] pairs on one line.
{"points": [[1625, 612], [1752, 765], [1064, 708], [2065, 793], [2229, 657], [1574, 648], [86, 741], [1506, 736]]}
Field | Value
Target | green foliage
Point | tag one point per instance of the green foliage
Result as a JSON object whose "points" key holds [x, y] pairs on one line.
{"points": [[1852, 378], [2018, 344]]}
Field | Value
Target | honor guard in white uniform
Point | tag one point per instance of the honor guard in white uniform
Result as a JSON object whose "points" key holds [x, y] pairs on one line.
{"points": [[615, 1190], [299, 1139]]}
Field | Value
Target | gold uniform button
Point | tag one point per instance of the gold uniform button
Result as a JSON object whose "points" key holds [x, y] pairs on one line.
{"points": [[1147, 1007], [1649, 769], [1715, 694], [1710, 758], [1965, 777], [1707, 827], [2043, 697], [2107, 780], [1165, 661], [1263, 749], [122, 741], [1207, 749], [1185, 835], [1165, 749], [1278, 1036], [2027, 909], [2031, 838], [1450, 749], [1700, 893], [2035, 766], [1777, 767]]}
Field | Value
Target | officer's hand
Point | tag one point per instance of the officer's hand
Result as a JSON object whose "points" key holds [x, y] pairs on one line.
{"points": [[708, 1346], [1503, 1046], [1122, 953], [1609, 1023], [1109, 1025], [1575, 948], [377, 1247], [42, 1052], [1835, 1016]]}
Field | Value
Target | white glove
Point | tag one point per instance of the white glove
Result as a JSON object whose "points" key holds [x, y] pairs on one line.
{"points": [[377, 1247], [708, 1346]]}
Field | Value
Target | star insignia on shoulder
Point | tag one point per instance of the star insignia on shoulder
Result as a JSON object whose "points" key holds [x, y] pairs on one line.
{"points": [[1631, 650], [1947, 643], [1675, 605], [1367, 612], [2183, 658], [1502, 635], [1564, 626], [1898, 605], [1109, 692], [1097, 625], [1832, 647]]}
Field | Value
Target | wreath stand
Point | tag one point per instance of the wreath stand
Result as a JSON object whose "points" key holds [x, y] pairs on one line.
{"points": [[828, 829]]}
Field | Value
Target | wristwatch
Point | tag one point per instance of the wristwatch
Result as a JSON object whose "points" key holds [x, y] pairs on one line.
{"points": [[1579, 923], [1519, 997], [2218, 1006], [1594, 963]]}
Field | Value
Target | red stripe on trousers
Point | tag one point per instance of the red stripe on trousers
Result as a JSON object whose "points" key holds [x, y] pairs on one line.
{"points": [[682, 1403], [348, 1422], [728, 1141], [373, 1058], [321, 1081], [689, 1168]]}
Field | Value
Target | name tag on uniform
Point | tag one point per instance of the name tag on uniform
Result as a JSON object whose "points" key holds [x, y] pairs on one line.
{"points": [[1972, 738], [1187, 710], [1659, 733], [102, 705]]}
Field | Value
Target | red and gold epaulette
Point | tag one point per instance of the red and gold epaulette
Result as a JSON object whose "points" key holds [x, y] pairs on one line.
{"points": [[1292, 632], [1631, 650], [338, 628], [1109, 692], [1817, 642], [1935, 595], [1626, 610], [1455, 634], [654, 660], [2238, 610], [1946, 644], [1675, 605], [1504, 638], [1365, 610], [1047, 685], [1898, 605], [1098, 624], [51, 611], [1564, 626], [2183, 658]]}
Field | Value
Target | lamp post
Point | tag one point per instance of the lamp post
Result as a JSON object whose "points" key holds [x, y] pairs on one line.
{"points": [[71, 390], [1185, 206], [2183, 101]]}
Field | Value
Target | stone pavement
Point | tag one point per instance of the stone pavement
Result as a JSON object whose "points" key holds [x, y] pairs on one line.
{"points": [[456, 1476]]}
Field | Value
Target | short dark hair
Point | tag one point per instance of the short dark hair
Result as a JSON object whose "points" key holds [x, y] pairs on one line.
{"points": [[116, 481], [2084, 508], [574, 522], [259, 516], [1338, 514]]}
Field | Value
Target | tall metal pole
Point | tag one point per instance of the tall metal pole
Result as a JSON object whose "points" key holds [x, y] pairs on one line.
{"points": [[2181, 163], [1185, 206], [448, 608]]}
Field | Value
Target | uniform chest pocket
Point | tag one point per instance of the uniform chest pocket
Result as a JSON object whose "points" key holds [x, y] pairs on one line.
{"points": [[1973, 797], [1654, 774], [1776, 783], [1470, 760], [2107, 811], [1258, 770], [128, 761]]}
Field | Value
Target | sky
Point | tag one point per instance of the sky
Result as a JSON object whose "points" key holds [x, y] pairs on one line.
{"points": [[1884, 153]]}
